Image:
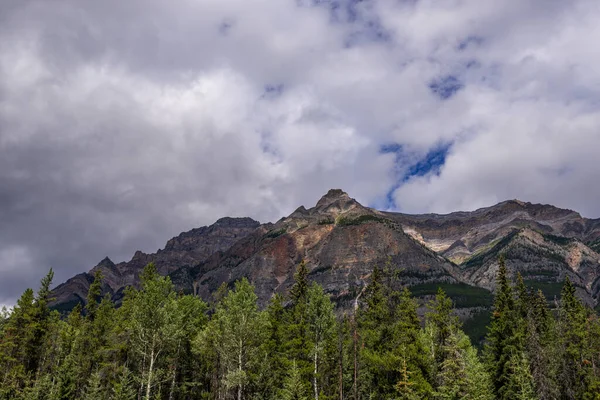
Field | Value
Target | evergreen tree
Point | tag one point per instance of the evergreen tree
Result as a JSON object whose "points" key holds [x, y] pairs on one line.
{"points": [[541, 347], [293, 387], [520, 383], [503, 339], [123, 388], [574, 371], [321, 327], [297, 342], [39, 326], [94, 296], [478, 381], [94, 389], [442, 324], [14, 345]]}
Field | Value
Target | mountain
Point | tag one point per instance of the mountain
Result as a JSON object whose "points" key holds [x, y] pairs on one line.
{"points": [[542, 242], [183, 251], [341, 241]]}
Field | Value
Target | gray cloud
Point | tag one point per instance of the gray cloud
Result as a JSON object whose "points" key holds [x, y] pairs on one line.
{"points": [[124, 123]]}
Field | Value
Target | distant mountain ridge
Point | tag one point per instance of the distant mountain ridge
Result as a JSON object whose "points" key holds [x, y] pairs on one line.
{"points": [[342, 240]]}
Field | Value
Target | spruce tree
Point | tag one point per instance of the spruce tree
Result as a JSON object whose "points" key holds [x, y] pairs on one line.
{"points": [[541, 347], [297, 344], [293, 386], [574, 371], [321, 328], [502, 340], [94, 389], [442, 324], [123, 388]]}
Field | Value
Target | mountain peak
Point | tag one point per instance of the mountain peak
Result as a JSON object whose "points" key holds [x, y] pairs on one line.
{"points": [[332, 196], [237, 222], [106, 262]]}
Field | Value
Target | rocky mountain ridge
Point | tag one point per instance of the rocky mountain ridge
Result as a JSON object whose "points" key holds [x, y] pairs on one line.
{"points": [[341, 241]]}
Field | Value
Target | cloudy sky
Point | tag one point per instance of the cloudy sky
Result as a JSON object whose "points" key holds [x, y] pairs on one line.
{"points": [[123, 123]]}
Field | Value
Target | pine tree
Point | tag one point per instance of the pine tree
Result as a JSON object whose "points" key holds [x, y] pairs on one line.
{"points": [[14, 345], [321, 327], [40, 325], [520, 379], [123, 388], [541, 347], [405, 385], [503, 339], [188, 319], [275, 365], [443, 324], [94, 296], [574, 371], [293, 387], [478, 381], [376, 356], [297, 343], [94, 389]]}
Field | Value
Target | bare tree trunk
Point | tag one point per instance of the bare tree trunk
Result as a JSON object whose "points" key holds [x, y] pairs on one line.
{"points": [[239, 396], [141, 389], [315, 377], [355, 338], [174, 371], [341, 343], [150, 370], [355, 335]]}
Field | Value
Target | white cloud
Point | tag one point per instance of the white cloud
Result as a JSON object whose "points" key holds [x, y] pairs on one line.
{"points": [[124, 123]]}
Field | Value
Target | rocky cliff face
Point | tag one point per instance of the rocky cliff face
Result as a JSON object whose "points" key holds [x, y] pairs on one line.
{"points": [[541, 242], [183, 251], [341, 241]]}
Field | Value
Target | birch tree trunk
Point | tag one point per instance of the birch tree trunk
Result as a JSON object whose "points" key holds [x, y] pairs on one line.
{"points": [[150, 370], [240, 371], [315, 377], [174, 371]]}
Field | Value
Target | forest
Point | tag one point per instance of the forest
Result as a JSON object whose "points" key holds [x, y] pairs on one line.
{"points": [[160, 344]]}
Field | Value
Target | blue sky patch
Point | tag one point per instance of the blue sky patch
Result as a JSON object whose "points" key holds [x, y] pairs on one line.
{"points": [[431, 163], [469, 41], [273, 90], [446, 86]]}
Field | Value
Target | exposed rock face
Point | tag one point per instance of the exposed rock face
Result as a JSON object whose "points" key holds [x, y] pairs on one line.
{"points": [[341, 242], [339, 239], [186, 250], [541, 242]]}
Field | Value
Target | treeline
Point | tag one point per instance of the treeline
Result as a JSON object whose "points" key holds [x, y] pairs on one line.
{"points": [[164, 345]]}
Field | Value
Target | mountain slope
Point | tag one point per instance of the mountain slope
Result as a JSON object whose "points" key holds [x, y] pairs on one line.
{"points": [[185, 250], [541, 242], [341, 241]]}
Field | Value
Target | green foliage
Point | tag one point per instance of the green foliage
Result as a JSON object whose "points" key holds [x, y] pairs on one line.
{"points": [[361, 219], [163, 345], [462, 295], [326, 221], [123, 388], [293, 386], [503, 339], [551, 290], [237, 331], [94, 389], [272, 234]]}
